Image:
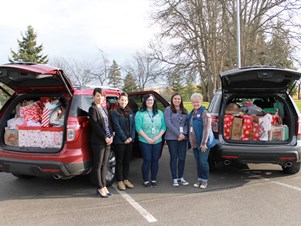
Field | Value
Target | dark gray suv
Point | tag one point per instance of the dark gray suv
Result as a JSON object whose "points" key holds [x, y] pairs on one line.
{"points": [[255, 119]]}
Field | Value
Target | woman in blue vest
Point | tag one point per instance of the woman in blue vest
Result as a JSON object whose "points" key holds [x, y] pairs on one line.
{"points": [[201, 138]]}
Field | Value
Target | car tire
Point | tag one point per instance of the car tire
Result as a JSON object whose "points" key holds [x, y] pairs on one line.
{"points": [[295, 168], [111, 168], [22, 176]]}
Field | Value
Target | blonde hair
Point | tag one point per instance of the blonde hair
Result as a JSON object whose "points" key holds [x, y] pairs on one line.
{"points": [[197, 96]]}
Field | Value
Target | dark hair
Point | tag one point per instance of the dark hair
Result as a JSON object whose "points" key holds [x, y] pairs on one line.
{"points": [[144, 108], [172, 106], [127, 110], [98, 90]]}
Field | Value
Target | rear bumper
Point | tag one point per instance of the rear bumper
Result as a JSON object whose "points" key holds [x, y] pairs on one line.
{"points": [[43, 168], [276, 154]]}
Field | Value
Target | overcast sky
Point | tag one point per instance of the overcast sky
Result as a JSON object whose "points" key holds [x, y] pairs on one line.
{"points": [[76, 29]]}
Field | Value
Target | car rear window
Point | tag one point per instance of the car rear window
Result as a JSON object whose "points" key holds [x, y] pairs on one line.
{"points": [[5, 94], [80, 105]]}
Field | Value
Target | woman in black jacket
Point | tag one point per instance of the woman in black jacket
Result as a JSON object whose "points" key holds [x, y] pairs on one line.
{"points": [[124, 128], [100, 141]]}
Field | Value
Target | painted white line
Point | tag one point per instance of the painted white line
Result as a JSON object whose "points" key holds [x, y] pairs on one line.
{"points": [[150, 218], [284, 185]]}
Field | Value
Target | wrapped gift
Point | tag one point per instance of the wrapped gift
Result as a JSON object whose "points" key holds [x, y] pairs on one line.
{"points": [[247, 127], [31, 112], [276, 133], [29, 136], [51, 137], [228, 119], [236, 129], [285, 133], [46, 117], [11, 137]]}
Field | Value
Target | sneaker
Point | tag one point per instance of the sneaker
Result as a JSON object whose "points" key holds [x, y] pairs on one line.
{"points": [[197, 184], [154, 183], [128, 184], [121, 185], [203, 184], [175, 183], [147, 184], [183, 181]]}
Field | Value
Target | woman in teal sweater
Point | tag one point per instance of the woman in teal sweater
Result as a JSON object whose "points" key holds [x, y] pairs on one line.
{"points": [[150, 127]]}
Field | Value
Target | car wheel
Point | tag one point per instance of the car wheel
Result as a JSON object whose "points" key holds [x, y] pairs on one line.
{"points": [[22, 176], [111, 168], [295, 168]]}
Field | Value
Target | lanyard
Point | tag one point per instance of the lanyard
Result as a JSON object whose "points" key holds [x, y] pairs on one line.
{"points": [[180, 118], [151, 117]]}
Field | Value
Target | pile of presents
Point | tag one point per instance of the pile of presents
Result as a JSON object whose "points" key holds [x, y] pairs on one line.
{"points": [[36, 124], [250, 122]]}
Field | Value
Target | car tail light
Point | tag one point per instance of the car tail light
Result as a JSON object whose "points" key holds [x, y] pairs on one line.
{"points": [[299, 128], [72, 132], [214, 123]]}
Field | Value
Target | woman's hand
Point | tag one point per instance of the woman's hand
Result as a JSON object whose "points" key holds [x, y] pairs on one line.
{"points": [[204, 148], [181, 137], [129, 140], [149, 140], [109, 140]]}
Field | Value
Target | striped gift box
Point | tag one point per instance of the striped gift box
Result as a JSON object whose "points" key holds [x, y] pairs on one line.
{"points": [[46, 117]]}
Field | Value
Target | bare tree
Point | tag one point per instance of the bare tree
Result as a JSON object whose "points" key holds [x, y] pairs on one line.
{"points": [[79, 72], [102, 70], [199, 36], [144, 69]]}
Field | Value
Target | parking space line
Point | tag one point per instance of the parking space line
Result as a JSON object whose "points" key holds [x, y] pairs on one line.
{"points": [[150, 218], [284, 185]]}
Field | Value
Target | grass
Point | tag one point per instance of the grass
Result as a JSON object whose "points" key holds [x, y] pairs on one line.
{"points": [[189, 107]]}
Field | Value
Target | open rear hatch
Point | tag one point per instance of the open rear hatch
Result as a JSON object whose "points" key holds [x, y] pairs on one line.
{"points": [[256, 107], [34, 120], [259, 79]]}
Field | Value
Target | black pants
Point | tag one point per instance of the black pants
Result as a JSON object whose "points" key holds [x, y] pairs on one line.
{"points": [[99, 168], [123, 154]]}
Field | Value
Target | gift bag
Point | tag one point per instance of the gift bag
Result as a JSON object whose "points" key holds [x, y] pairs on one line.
{"points": [[236, 130], [247, 127], [228, 119]]}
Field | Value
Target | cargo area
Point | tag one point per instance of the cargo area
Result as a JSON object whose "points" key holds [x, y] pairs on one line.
{"points": [[35, 124], [260, 119]]}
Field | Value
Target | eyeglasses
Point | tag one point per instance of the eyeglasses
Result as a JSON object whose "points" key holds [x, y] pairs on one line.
{"points": [[149, 100]]}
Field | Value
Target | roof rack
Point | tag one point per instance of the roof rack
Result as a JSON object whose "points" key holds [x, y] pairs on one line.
{"points": [[81, 87]]}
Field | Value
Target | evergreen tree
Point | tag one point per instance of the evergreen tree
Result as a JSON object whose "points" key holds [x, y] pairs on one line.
{"points": [[175, 80], [280, 47], [114, 75], [130, 84], [29, 51]]}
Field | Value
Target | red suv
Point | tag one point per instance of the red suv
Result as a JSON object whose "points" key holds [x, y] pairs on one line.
{"points": [[44, 128]]}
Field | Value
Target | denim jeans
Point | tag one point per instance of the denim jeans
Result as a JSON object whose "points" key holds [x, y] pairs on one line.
{"points": [[177, 150], [202, 164], [151, 155]]}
